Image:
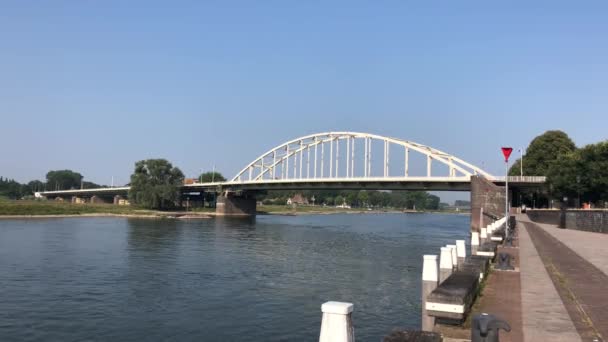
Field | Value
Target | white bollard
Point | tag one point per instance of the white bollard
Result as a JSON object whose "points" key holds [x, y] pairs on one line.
{"points": [[445, 264], [430, 275], [454, 256], [337, 323], [474, 242], [461, 251]]}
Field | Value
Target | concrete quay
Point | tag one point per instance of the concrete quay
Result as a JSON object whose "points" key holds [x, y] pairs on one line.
{"points": [[558, 289]]}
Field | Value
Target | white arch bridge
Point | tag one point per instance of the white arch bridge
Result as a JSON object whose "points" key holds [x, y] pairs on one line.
{"points": [[341, 160], [353, 160]]}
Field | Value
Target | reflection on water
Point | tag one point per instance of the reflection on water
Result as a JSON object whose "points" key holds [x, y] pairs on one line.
{"points": [[213, 280]]}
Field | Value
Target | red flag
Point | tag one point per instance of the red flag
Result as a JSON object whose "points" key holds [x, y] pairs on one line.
{"points": [[506, 151]]}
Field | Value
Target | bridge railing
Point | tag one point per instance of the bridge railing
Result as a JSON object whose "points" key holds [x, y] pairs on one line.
{"points": [[522, 179]]}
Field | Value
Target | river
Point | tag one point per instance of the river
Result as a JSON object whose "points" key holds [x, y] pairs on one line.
{"points": [[117, 279]]}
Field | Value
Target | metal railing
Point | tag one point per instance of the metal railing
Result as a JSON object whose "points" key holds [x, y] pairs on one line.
{"points": [[523, 179]]}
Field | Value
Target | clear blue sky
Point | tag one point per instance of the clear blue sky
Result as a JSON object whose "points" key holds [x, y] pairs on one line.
{"points": [[94, 86]]}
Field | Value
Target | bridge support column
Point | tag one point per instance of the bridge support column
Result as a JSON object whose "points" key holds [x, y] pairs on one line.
{"points": [[233, 204], [98, 200]]}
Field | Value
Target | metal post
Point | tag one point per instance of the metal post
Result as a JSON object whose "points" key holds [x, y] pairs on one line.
{"points": [[337, 156], [385, 159], [506, 199], [301, 152], [274, 163], [365, 158], [331, 157], [521, 163], [388, 158], [369, 158], [452, 170], [322, 156], [407, 161], [262, 169], [315, 170], [307, 161], [347, 157], [352, 158], [287, 162], [429, 161]]}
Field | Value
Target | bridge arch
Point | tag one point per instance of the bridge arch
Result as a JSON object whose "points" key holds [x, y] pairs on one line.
{"points": [[309, 160]]}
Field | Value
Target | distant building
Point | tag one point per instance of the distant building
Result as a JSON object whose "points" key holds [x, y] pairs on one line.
{"points": [[188, 181], [297, 199]]}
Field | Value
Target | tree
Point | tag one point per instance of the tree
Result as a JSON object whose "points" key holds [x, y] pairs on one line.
{"points": [[543, 151], [339, 200], [593, 173], [211, 176], [432, 202], [583, 172], [155, 184], [363, 198], [63, 180]]}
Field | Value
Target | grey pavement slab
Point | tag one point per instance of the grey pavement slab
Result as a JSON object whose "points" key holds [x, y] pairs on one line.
{"points": [[591, 246], [543, 313]]}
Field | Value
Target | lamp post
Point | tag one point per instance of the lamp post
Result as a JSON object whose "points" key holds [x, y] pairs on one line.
{"points": [[521, 162]]}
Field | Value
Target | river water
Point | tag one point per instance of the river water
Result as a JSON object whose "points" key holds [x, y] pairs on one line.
{"points": [[116, 279]]}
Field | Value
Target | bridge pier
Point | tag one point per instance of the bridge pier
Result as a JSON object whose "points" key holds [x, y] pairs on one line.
{"points": [[236, 204], [490, 197], [98, 200]]}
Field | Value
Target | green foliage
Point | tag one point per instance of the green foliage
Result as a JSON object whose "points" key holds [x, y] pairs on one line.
{"points": [[43, 207], [359, 199], [11, 189], [63, 180], [155, 184], [584, 172], [545, 150], [211, 176]]}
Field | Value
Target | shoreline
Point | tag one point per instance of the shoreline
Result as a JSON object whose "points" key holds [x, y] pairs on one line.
{"points": [[209, 215]]}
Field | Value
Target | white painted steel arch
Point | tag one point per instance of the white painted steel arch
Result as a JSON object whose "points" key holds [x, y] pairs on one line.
{"points": [[275, 163]]}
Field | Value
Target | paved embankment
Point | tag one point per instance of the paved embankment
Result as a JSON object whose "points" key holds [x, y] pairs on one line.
{"points": [[544, 315], [577, 265]]}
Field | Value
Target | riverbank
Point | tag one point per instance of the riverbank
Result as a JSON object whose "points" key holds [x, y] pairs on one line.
{"points": [[51, 209]]}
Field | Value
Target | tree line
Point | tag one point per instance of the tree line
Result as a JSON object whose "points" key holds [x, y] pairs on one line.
{"points": [[571, 171], [55, 180], [419, 200]]}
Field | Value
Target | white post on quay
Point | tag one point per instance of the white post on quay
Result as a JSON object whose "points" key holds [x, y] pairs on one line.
{"points": [[461, 251], [445, 264], [454, 256], [429, 283], [474, 242], [337, 323]]}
